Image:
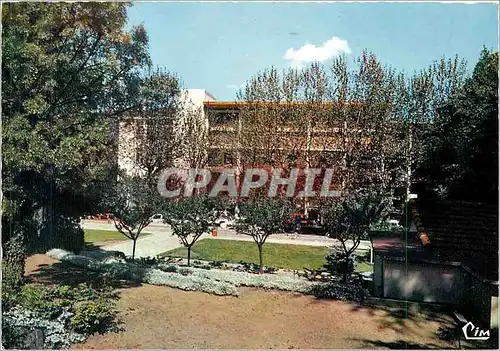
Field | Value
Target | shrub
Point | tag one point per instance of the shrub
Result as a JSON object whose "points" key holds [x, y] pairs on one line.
{"points": [[336, 263], [77, 260], [13, 263], [190, 282], [69, 235], [387, 227], [82, 292], [129, 271], [254, 268], [170, 268], [94, 317], [122, 271], [216, 264], [253, 280], [51, 309], [40, 299], [336, 291], [19, 322], [144, 260]]}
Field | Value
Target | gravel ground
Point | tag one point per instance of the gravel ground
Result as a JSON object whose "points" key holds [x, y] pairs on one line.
{"points": [[157, 317]]}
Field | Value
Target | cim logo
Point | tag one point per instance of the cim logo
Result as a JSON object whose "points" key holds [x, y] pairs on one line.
{"points": [[471, 332]]}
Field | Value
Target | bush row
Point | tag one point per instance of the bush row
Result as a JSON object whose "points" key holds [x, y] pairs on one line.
{"points": [[245, 279], [214, 281], [115, 269]]}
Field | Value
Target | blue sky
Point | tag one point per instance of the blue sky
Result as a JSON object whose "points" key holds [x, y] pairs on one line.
{"points": [[217, 46]]}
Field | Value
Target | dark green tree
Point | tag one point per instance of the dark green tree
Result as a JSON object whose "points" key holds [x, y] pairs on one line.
{"points": [[461, 160], [68, 69]]}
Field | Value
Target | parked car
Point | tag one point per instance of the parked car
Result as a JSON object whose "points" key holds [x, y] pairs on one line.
{"points": [[225, 220], [301, 224], [156, 219]]}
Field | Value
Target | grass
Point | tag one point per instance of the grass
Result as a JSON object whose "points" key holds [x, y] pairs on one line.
{"points": [[274, 255], [95, 235]]}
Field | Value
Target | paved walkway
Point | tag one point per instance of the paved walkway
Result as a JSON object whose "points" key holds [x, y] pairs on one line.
{"points": [[161, 239]]}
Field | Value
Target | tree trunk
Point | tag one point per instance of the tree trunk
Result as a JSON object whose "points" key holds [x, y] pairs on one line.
{"points": [[346, 268], [261, 267], [133, 248], [189, 255]]}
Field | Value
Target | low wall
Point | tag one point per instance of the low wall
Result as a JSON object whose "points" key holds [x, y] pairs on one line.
{"points": [[449, 284], [422, 282]]}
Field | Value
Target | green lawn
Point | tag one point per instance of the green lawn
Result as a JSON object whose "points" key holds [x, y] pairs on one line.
{"points": [[274, 255], [94, 235]]}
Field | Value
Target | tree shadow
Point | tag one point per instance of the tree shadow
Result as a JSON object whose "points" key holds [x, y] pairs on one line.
{"points": [[403, 317], [402, 345], [62, 273]]}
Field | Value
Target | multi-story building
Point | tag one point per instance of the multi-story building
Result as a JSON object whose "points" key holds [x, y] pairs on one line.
{"points": [[299, 134], [127, 146]]}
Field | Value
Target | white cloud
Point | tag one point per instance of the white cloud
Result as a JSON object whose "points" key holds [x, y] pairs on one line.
{"points": [[310, 52], [235, 86]]}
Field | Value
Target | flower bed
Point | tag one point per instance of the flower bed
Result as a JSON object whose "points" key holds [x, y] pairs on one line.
{"points": [[115, 269], [18, 323], [214, 281], [247, 279]]}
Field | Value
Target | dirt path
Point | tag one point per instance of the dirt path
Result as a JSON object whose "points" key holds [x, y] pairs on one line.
{"points": [[160, 317]]}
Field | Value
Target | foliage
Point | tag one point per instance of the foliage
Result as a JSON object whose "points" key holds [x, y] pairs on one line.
{"points": [[133, 202], [193, 135], [249, 279], [461, 147], [372, 112], [336, 263], [18, 323], [13, 264], [68, 234], [59, 312], [336, 291], [262, 218], [385, 226], [152, 127], [145, 260], [114, 269], [68, 70], [349, 219], [212, 281], [93, 316], [190, 218], [135, 198]]}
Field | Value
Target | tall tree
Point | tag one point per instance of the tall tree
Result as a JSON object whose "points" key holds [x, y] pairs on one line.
{"points": [[193, 135], [148, 144], [67, 69], [461, 160]]}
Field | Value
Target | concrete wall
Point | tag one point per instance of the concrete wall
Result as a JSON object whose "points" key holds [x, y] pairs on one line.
{"points": [[422, 282], [190, 99], [378, 281], [438, 283]]}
